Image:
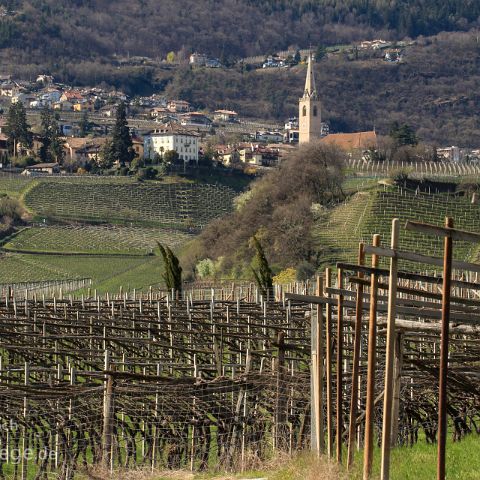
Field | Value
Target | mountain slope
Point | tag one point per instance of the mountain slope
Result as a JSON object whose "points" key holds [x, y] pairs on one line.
{"points": [[87, 28]]}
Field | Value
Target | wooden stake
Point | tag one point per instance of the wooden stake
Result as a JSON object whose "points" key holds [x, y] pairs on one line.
{"points": [[371, 364], [339, 367], [328, 326], [388, 396], [442, 394], [356, 363]]}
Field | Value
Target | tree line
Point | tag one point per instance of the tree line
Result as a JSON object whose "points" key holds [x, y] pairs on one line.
{"points": [[92, 28]]}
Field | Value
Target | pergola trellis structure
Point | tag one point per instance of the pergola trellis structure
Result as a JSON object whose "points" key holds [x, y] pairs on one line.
{"points": [[407, 324]]}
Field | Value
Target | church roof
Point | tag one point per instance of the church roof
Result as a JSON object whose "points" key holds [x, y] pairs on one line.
{"points": [[352, 141]]}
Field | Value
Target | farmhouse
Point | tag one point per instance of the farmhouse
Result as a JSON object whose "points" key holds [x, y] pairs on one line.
{"points": [[178, 106], [172, 137], [42, 169], [225, 116]]}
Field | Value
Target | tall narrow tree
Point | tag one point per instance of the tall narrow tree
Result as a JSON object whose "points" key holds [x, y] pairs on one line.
{"points": [[172, 270], [122, 145], [261, 269], [17, 129], [51, 149]]}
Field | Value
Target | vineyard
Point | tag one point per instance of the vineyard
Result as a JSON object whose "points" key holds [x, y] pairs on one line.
{"points": [[338, 231], [222, 379], [93, 227], [94, 240], [174, 205]]}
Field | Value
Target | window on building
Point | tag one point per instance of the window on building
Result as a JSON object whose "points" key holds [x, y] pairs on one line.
{"points": [[315, 111], [304, 112]]}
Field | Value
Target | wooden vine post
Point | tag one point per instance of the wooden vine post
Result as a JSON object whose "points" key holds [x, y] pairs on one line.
{"points": [[371, 365], [107, 422], [449, 234], [281, 401], [339, 367], [388, 394], [317, 420], [352, 428]]}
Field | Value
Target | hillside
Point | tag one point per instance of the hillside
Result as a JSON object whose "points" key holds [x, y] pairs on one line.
{"points": [[89, 28], [103, 228], [435, 89], [308, 221]]}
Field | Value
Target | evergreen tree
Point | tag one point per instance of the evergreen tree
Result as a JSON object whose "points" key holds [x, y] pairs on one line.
{"points": [[106, 157], [17, 129], [173, 271], [122, 145], [403, 134], [52, 148], [84, 124], [263, 273]]}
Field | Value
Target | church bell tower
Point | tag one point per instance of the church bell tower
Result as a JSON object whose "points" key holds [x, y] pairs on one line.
{"points": [[309, 115]]}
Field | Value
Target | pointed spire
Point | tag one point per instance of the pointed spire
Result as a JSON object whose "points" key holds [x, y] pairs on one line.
{"points": [[310, 87]]}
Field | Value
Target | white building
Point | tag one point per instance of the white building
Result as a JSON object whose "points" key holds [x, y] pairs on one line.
{"points": [[172, 137]]}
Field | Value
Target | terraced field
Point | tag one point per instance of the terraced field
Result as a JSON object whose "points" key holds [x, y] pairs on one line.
{"points": [[174, 205], [104, 228], [94, 239], [338, 231]]}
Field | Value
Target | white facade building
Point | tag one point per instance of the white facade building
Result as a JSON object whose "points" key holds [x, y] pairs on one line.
{"points": [[172, 137]]}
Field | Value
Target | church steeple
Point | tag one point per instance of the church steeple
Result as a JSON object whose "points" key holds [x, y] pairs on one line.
{"points": [[310, 87], [309, 115]]}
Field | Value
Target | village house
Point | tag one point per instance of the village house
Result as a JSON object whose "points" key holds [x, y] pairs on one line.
{"points": [[267, 137], [198, 59], [156, 112], [138, 146], [172, 137], [72, 96], [227, 154], [45, 79], [42, 169], [258, 155], [178, 106], [83, 148], [228, 116], [450, 154], [50, 96], [195, 119], [8, 90]]}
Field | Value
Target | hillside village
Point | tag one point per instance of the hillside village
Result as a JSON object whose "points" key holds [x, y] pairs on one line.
{"points": [[159, 125]]}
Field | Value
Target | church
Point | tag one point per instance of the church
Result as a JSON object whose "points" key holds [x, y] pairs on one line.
{"points": [[310, 121]]}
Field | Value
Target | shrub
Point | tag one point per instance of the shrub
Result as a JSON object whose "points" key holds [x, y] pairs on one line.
{"points": [[205, 268], [285, 276]]}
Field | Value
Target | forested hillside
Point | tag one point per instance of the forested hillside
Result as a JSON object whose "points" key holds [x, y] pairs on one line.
{"points": [[57, 29], [436, 90]]}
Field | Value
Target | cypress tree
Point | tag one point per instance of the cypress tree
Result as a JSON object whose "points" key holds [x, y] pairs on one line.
{"points": [[52, 143], [263, 274], [172, 274], [17, 129], [122, 145]]}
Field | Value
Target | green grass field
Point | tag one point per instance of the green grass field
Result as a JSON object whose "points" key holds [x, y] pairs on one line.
{"points": [[108, 273], [407, 463]]}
